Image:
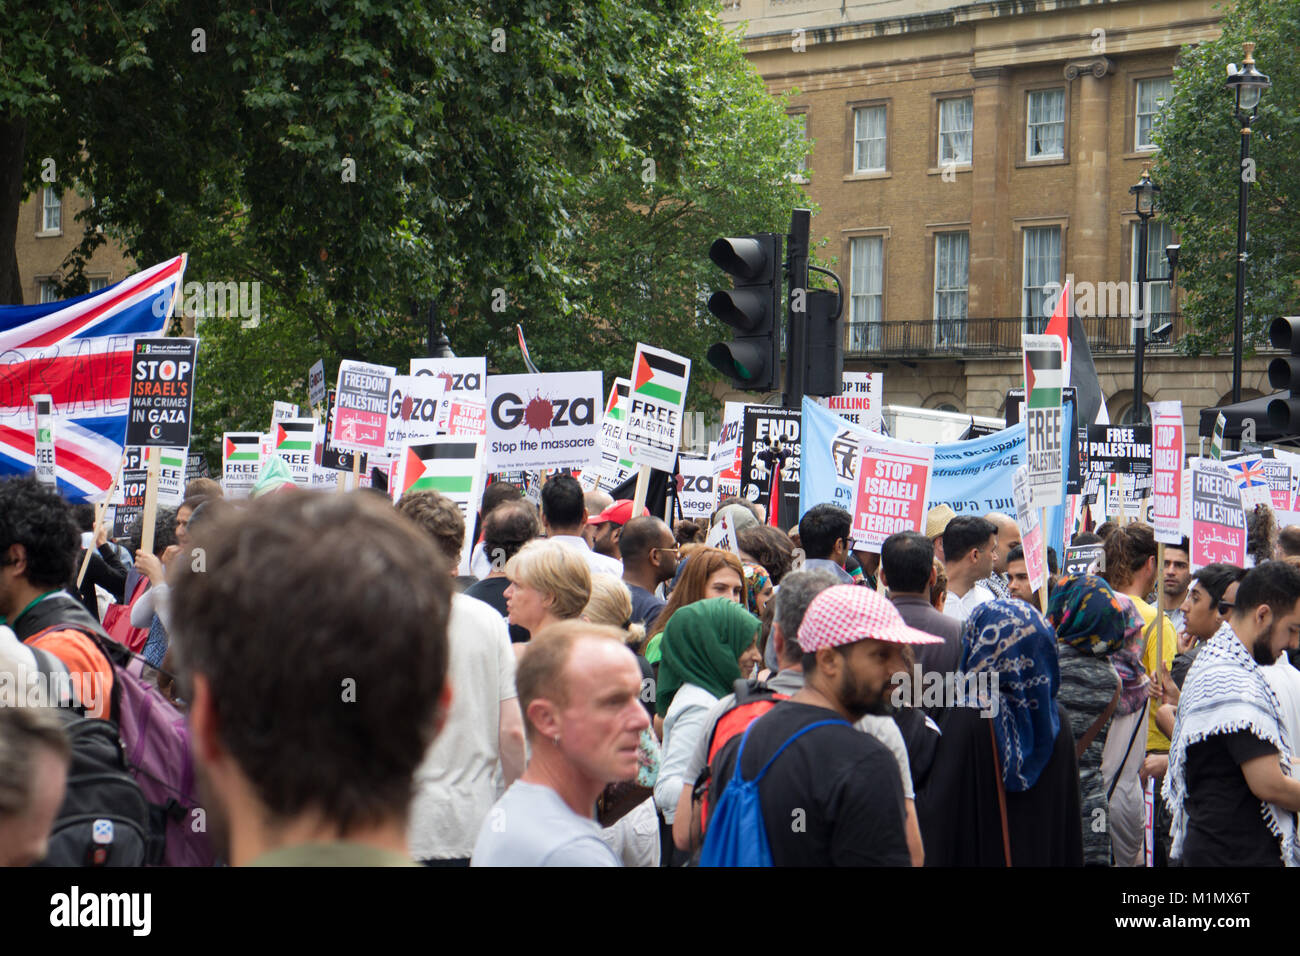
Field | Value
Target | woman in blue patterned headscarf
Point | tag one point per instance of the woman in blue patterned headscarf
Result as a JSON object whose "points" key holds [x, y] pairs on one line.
{"points": [[1011, 641]]}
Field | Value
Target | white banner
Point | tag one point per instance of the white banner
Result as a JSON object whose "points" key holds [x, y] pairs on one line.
{"points": [[543, 421]]}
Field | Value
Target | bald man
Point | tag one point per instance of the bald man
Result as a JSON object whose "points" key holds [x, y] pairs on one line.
{"points": [[1008, 538]]}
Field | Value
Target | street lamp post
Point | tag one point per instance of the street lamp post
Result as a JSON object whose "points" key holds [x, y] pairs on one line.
{"points": [[1144, 193], [1248, 84]]}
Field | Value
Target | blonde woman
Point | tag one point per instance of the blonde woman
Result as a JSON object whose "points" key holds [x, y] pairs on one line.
{"points": [[549, 583]]}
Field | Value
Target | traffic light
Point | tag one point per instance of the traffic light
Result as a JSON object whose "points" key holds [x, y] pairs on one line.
{"points": [[1284, 372], [752, 359], [823, 361]]}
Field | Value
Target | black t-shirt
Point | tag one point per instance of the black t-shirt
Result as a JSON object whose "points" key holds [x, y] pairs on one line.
{"points": [[492, 591], [834, 798], [1224, 822], [645, 606]]}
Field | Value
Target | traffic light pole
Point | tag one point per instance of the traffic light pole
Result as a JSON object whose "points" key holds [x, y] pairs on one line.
{"points": [[796, 308]]}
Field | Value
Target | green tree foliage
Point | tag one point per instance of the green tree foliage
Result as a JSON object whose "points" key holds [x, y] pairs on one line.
{"points": [[1197, 169], [355, 158]]}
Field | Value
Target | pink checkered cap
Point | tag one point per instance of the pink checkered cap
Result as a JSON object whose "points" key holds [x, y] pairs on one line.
{"points": [[848, 613]]}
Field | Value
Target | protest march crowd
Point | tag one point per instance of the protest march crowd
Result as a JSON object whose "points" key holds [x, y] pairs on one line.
{"points": [[604, 689]]}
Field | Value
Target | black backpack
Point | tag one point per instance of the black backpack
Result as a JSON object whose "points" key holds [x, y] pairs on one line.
{"points": [[105, 819]]}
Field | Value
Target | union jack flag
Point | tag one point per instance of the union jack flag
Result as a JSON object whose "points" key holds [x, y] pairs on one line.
{"points": [[1250, 472], [79, 352]]}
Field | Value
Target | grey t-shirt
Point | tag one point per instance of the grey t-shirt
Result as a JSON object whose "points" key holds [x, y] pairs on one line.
{"points": [[531, 826]]}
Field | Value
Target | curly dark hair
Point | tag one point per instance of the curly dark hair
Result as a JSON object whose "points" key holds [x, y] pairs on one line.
{"points": [[688, 531], [438, 517], [32, 514], [770, 547]]}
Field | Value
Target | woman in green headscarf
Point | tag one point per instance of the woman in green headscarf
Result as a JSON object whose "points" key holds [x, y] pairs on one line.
{"points": [[707, 646]]}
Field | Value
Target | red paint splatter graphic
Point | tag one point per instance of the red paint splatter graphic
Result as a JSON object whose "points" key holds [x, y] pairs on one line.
{"points": [[446, 380], [538, 414], [408, 405]]}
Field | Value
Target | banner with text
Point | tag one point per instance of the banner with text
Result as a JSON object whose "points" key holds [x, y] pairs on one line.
{"points": [[891, 491], [1218, 520], [1167, 490], [543, 421]]}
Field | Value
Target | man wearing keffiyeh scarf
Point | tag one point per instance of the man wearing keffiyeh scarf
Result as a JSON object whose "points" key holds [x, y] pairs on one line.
{"points": [[1228, 718]]}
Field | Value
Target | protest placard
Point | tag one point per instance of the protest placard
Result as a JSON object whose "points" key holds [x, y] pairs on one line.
{"points": [[1044, 420], [1167, 466], [196, 466], [1031, 529], [891, 491], [1218, 520], [43, 409], [294, 444], [614, 469], [361, 407], [1119, 449], [171, 473], [282, 411], [449, 466], [1278, 474], [652, 430], [241, 460], [162, 392], [1252, 482], [861, 401], [1076, 448], [464, 380], [316, 383], [726, 452], [698, 496], [549, 420], [130, 512], [723, 535], [765, 430], [413, 410], [332, 458], [466, 419], [1084, 559]]}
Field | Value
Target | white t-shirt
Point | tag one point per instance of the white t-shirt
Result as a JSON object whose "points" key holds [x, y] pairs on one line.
{"points": [[17, 663], [683, 726], [1285, 681], [963, 607], [455, 784], [598, 563], [532, 826]]}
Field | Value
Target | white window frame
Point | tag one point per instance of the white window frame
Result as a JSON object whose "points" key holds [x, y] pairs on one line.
{"points": [[1155, 255], [1030, 125], [945, 134], [46, 291], [1152, 117], [956, 325], [859, 142], [51, 208], [860, 336], [1040, 321]]}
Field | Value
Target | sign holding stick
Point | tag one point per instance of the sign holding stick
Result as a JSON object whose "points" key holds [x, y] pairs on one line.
{"points": [[150, 504]]}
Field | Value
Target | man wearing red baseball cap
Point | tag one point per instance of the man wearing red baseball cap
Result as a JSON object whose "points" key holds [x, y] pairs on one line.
{"points": [[609, 525], [833, 796]]}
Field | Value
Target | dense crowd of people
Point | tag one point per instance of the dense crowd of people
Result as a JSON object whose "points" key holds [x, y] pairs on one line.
{"points": [[309, 675]]}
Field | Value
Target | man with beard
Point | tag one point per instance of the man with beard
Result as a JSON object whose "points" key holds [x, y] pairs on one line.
{"points": [[833, 796], [1229, 785], [315, 685], [1177, 577]]}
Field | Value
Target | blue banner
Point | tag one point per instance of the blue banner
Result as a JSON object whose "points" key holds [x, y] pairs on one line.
{"points": [[970, 477]]}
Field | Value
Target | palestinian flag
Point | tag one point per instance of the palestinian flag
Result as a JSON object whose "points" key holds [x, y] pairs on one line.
{"points": [[167, 457], [616, 407], [242, 446], [1043, 374], [449, 467], [660, 375], [295, 434]]}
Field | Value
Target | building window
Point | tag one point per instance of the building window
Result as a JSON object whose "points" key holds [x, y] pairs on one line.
{"points": [[1042, 267], [1156, 299], [98, 282], [1045, 129], [1127, 417], [48, 292], [866, 293], [956, 119], [801, 135], [951, 277], [869, 139], [51, 210], [1152, 95]]}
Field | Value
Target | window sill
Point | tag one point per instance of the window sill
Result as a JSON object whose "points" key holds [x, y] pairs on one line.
{"points": [[874, 174], [48, 233], [1141, 153], [1045, 161], [940, 170]]}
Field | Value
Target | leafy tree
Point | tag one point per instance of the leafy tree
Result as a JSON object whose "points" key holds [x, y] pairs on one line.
{"points": [[353, 158], [1197, 169]]}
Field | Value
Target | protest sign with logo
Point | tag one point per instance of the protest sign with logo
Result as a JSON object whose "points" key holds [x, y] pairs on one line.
{"points": [[361, 407], [614, 469], [413, 410], [171, 473], [1076, 448], [241, 460], [449, 466], [1120, 450], [1218, 520], [294, 444], [45, 468], [1278, 475], [723, 535], [196, 466], [130, 512], [464, 380], [726, 453], [466, 419], [1044, 420], [860, 401], [892, 488], [1031, 529], [764, 429], [698, 496], [1084, 559], [331, 457], [1167, 449], [316, 383], [550, 420], [652, 429], [162, 392], [1252, 481], [282, 411]]}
